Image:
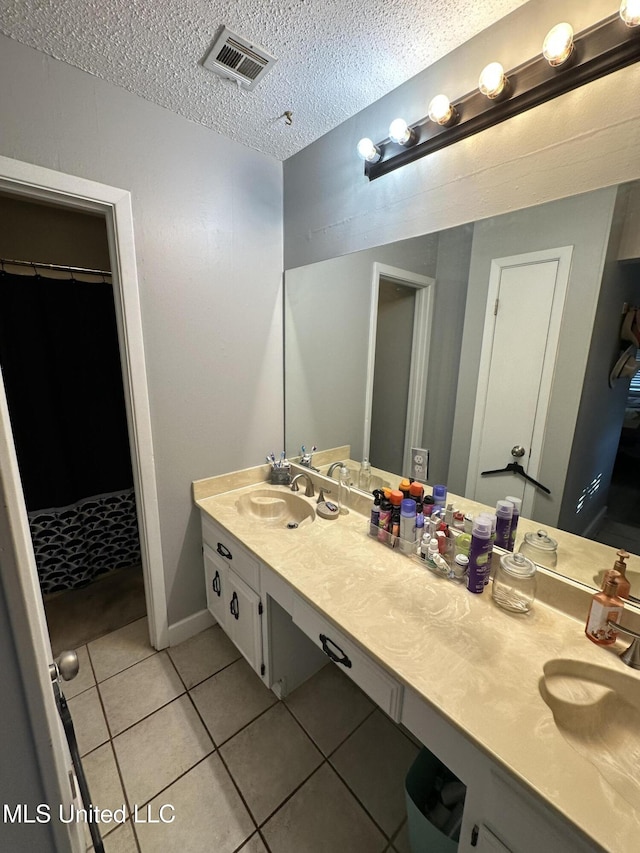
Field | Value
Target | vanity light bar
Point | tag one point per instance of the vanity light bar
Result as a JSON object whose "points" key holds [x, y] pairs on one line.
{"points": [[597, 51]]}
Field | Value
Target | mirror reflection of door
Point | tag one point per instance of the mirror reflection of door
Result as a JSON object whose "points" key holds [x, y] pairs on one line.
{"points": [[394, 337], [398, 360], [519, 349]]}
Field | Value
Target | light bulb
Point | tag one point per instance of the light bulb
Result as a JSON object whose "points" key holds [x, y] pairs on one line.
{"points": [[441, 111], [630, 12], [400, 132], [367, 151], [492, 80], [558, 44]]}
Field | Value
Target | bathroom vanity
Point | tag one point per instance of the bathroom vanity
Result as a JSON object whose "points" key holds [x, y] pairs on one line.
{"points": [[465, 677]]}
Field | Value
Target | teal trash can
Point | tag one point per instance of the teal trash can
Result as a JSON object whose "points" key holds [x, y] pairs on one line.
{"points": [[425, 777]]}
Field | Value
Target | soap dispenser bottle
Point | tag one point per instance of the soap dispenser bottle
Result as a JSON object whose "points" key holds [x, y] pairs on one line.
{"points": [[624, 587], [605, 605]]}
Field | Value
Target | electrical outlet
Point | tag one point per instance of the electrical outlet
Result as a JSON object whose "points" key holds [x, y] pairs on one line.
{"points": [[419, 464]]}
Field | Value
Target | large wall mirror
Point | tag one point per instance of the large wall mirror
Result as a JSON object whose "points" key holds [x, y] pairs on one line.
{"points": [[506, 331]]}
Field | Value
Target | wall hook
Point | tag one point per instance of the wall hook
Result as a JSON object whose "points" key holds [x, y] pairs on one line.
{"points": [[287, 115]]}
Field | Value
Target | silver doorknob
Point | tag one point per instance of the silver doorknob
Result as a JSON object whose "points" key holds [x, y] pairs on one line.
{"points": [[66, 666], [518, 451]]}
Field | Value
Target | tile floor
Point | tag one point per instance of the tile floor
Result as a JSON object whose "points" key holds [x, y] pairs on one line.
{"points": [[195, 728]]}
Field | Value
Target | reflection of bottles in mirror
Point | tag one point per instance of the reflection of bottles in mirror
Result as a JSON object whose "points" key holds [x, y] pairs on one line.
{"points": [[364, 476], [605, 606], [344, 489]]}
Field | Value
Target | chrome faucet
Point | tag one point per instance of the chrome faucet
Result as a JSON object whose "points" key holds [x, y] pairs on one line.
{"points": [[309, 493], [630, 656], [333, 467]]}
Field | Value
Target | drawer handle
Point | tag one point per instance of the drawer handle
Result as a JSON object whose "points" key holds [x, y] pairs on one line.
{"points": [[234, 606], [215, 583], [344, 660], [224, 551]]}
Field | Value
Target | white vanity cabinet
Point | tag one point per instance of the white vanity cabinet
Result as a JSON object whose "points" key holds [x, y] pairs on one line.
{"points": [[232, 578]]}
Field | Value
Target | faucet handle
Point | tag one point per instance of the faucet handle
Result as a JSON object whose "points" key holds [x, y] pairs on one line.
{"points": [[630, 656]]}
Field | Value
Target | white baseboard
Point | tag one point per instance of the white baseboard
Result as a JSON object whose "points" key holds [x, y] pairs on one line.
{"points": [[189, 627]]}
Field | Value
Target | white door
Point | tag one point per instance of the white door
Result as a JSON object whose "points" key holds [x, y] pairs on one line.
{"points": [[521, 332], [29, 629]]}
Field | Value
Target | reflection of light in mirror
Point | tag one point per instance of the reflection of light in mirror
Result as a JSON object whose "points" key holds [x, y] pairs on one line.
{"points": [[630, 12], [588, 493]]}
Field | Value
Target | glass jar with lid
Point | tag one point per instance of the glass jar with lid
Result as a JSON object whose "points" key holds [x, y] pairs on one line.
{"points": [[514, 585], [540, 548]]}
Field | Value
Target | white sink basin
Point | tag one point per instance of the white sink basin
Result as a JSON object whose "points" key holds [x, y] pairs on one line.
{"points": [[597, 710], [276, 508]]}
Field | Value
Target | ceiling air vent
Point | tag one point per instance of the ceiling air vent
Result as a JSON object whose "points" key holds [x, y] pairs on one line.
{"points": [[235, 58]]}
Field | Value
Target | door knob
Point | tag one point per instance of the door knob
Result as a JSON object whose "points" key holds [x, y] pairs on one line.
{"points": [[517, 451], [66, 666]]}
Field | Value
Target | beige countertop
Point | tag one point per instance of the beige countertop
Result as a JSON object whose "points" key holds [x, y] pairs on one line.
{"points": [[475, 664]]}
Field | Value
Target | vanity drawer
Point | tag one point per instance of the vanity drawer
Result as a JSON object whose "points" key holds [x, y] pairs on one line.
{"points": [[231, 552], [385, 691]]}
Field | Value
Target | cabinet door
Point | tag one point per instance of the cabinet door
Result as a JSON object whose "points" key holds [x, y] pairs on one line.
{"points": [[217, 594], [243, 619]]}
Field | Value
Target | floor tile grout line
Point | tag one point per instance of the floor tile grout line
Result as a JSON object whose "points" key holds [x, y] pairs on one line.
{"points": [[289, 796], [315, 743], [151, 654], [224, 763], [202, 681], [146, 716], [386, 834], [399, 830]]}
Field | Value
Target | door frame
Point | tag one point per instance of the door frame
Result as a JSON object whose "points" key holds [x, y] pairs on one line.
{"points": [[422, 321], [562, 256], [40, 184]]}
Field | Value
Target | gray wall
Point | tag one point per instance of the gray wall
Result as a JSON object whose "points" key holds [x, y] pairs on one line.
{"points": [[208, 227], [583, 222], [584, 140]]}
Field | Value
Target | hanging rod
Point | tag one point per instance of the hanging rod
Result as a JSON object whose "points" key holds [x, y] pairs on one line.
{"points": [[58, 267]]}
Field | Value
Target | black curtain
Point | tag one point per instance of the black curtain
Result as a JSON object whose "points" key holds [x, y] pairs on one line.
{"points": [[61, 368]]}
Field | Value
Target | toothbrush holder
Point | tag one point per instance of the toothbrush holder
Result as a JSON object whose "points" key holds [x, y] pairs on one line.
{"points": [[280, 477]]}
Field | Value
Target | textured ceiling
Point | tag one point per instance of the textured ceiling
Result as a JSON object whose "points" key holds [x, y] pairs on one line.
{"points": [[335, 56]]}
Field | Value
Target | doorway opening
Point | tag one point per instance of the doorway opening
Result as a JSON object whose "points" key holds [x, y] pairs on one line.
{"points": [[399, 337], [62, 372], [112, 206]]}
